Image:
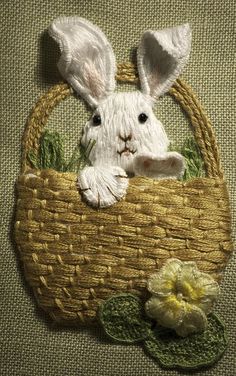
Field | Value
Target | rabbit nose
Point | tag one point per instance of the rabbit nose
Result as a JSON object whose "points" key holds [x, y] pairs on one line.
{"points": [[125, 138]]}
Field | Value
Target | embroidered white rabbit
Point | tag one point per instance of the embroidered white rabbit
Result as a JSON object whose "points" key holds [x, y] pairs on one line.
{"points": [[129, 138]]}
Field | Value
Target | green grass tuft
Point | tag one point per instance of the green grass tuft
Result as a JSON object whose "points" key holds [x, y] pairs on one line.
{"points": [[51, 155], [193, 159]]}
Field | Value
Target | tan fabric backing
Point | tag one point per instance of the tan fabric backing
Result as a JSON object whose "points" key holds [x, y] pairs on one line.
{"points": [[29, 344]]}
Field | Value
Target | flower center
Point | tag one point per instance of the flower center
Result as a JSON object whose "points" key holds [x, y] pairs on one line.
{"points": [[180, 296]]}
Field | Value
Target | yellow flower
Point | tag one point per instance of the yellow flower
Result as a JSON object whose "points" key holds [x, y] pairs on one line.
{"points": [[182, 297]]}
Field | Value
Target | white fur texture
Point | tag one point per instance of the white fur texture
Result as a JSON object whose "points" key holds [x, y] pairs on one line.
{"points": [[87, 61], [161, 57], [121, 137], [123, 143], [163, 166], [103, 186]]}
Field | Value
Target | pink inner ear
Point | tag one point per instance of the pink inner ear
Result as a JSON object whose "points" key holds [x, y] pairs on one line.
{"points": [[147, 163], [153, 80], [93, 80], [167, 165]]}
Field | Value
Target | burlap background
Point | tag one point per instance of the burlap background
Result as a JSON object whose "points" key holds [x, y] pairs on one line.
{"points": [[29, 343]]}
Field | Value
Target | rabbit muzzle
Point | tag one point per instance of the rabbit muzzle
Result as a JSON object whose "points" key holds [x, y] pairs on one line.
{"points": [[126, 151]]}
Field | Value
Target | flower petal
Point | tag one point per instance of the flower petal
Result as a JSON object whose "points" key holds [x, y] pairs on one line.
{"points": [[167, 312], [194, 321], [182, 296], [211, 288], [198, 288], [188, 281], [163, 282]]}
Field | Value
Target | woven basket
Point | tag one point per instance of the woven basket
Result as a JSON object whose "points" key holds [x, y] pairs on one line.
{"points": [[75, 257]]}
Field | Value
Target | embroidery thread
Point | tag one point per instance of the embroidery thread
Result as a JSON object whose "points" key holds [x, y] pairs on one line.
{"points": [[49, 152], [72, 261], [123, 319], [129, 139], [182, 297], [76, 257]]}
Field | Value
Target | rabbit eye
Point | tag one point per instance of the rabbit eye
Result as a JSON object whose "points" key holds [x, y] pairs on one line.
{"points": [[97, 120], [142, 118]]}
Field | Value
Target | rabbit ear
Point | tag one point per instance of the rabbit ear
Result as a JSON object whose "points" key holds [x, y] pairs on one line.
{"points": [[87, 60], [161, 57]]}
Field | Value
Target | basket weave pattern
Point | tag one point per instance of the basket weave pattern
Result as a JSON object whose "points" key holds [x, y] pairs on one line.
{"points": [[75, 257]]}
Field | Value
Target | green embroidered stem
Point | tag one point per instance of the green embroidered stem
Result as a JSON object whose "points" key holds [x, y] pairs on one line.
{"points": [[123, 320], [80, 157]]}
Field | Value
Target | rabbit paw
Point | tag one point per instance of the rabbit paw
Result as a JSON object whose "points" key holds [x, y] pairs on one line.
{"points": [[103, 186], [167, 165]]}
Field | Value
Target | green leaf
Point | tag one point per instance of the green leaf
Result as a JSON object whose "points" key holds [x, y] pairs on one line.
{"points": [[195, 351], [123, 318]]}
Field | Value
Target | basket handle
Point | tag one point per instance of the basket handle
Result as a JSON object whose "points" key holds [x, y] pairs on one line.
{"points": [[181, 92]]}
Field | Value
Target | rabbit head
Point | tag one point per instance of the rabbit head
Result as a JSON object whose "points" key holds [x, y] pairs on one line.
{"points": [[123, 124]]}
